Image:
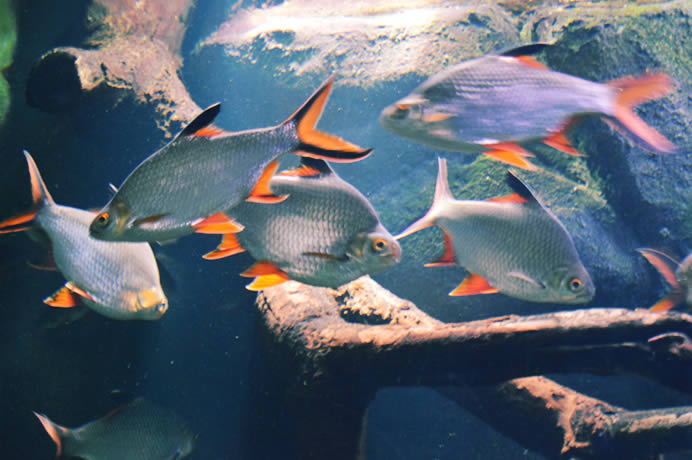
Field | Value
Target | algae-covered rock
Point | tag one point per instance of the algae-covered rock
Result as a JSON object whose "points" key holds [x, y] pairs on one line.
{"points": [[8, 39]]}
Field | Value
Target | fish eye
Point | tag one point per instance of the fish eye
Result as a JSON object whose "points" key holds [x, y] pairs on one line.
{"points": [[379, 245], [103, 219], [401, 111], [162, 307], [574, 284]]}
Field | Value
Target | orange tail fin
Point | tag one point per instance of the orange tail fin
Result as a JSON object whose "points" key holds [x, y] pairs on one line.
{"points": [[634, 91], [39, 195], [55, 431], [316, 144]]}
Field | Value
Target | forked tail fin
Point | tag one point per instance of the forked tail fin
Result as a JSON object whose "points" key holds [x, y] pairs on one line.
{"points": [[667, 267], [39, 195], [634, 91], [442, 195], [56, 432], [316, 144]]}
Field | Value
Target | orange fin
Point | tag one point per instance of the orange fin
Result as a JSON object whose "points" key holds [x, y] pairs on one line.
{"points": [[63, 298], [15, 224], [513, 198], [262, 192], [447, 258], [472, 285], [531, 62], [436, 117], [201, 122], [217, 224], [510, 153], [55, 431], [634, 91], [229, 246], [559, 140], [316, 144], [665, 264], [302, 171], [209, 131], [149, 220], [266, 275], [665, 304]]}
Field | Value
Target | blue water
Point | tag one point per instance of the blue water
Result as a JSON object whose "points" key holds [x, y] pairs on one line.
{"points": [[206, 359]]}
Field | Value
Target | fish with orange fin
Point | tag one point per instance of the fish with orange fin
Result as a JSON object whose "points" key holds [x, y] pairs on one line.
{"points": [[187, 185], [512, 245], [117, 280], [325, 233], [678, 275], [139, 430], [497, 102]]}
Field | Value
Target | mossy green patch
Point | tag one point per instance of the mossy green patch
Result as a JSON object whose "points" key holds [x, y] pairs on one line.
{"points": [[8, 40]]}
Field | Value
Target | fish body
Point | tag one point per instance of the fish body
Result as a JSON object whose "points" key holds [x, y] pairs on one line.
{"points": [[117, 280], [494, 103], [512, 245], [205, 171], [325, 233], [678, 275], [136, 431]]}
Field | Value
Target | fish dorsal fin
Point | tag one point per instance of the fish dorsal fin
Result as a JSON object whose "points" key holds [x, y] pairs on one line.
{"points": [[524, 50], [202, 121], [310, 167], [521, 190], [473, 285]]}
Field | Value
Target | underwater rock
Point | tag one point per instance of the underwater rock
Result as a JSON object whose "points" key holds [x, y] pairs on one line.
{"points": [[135, 48], [8, 39]]}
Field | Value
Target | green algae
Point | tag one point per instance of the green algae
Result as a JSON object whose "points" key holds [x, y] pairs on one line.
{"points": [[8, 40]]}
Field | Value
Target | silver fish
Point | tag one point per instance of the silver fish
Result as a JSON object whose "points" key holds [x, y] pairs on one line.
{"points": [[187, 185], [678, 275], [325, 233], [136, 431], [512, 245], [494, 103], [117, 280]]}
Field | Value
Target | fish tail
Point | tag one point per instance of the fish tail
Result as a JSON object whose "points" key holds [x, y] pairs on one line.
{"points": [[666, 266], [634, 91], [316, 144], [443, 194], [56, 432], [40, 197]]}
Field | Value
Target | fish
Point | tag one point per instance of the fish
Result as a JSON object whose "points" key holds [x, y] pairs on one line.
{"points": [[677, 274], [326, 233], [139, 430], [512, 245], [187, 185], [497, 102], [117, 280]]}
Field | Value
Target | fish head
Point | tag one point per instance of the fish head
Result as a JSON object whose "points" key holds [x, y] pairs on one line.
{"points": [[111, 222], [406, 117], [571, 285], [149, 304], [376, 251]]}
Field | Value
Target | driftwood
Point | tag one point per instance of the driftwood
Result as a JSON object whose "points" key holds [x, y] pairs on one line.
{"points": [[339, 346], [135, 50]]}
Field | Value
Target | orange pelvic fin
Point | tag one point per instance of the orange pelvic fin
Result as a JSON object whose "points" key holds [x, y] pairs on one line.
{"points": [[667, 303], [262, 192], [448, 256], [510, 153], [55, 431], [513, 198], [218, 224], [559, 140], [634, 91], [229, 246], [473, 285], [316, 144], [665, 264], [67, 296], [266, 275]]}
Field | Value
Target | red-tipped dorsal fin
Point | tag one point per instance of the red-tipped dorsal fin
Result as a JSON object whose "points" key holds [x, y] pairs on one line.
{"points": [[473, 285], [266, 274], [634, 91], [448, 256], [262, 192], [209, 131], [316, 144], [665, 264], [55, 431], [531, 62], [217, 224], [512, 198], [229, 246], [63, 298], [510, 153]]}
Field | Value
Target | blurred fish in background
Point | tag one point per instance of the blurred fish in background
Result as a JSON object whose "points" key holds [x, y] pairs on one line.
{"points": [[677, 274]]}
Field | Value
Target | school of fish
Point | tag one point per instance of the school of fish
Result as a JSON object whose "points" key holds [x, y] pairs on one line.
{"points": [[310, 225]]}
